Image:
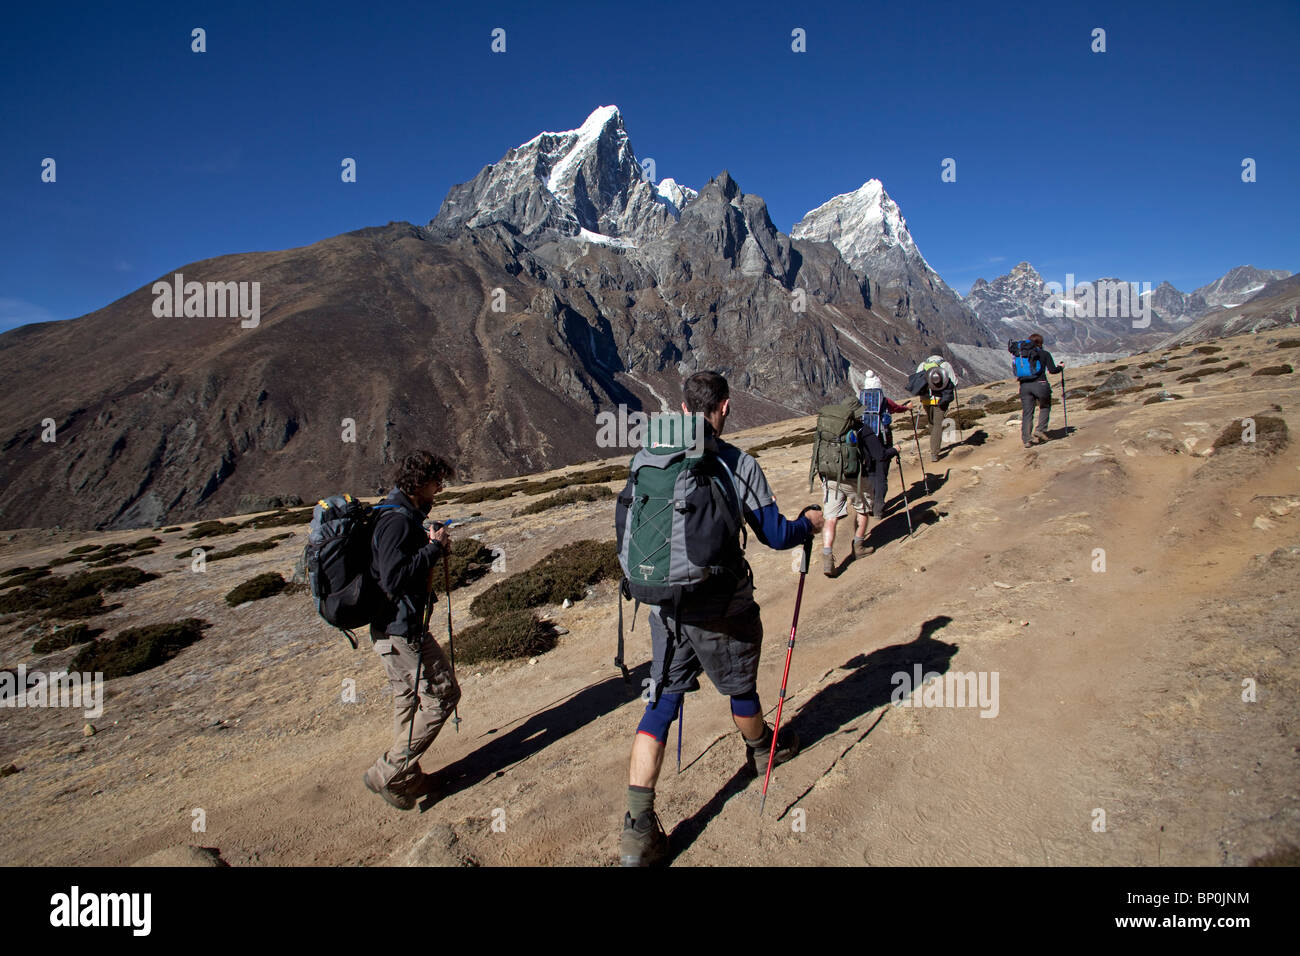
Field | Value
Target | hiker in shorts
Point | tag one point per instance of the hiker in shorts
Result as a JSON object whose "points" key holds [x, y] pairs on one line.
{"points": [[405, 557], [1037, 391], [837, 496], [720, 634], [937, 392]]}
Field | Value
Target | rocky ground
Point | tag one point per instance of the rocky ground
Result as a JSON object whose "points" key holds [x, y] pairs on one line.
{"points": [[1130, 588]]}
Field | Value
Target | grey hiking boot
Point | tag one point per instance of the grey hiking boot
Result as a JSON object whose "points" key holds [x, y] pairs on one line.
{"points": [[644, 842], [861, 549], [756, 757], [1040, 436], [828, 564], [400, 800]]}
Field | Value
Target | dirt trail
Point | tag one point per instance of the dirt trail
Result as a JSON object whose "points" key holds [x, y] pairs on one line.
{"points": [[1119, 699]]}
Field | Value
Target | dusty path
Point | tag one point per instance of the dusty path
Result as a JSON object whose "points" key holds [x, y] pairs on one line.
{"points": [[1122, 693]]}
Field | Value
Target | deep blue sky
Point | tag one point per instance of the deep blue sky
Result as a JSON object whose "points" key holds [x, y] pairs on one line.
{"points": [[1125, 163]]}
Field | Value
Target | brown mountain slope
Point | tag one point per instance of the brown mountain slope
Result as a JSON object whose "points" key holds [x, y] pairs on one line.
{"points": [[163, 419], [1120, 690]]}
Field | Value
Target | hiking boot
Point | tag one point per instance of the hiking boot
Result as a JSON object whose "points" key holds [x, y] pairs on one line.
{"points": [[402, 801], [644, 842], [1041, 436], [1029, 444], [756, 757], [828, 564], [861, 549], [417, 786]]}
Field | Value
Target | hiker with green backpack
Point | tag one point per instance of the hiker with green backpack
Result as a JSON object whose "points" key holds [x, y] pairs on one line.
{"points": [[679, 524], [852, 449]]}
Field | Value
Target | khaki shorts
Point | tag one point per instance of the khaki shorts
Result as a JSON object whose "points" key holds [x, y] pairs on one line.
{"points": [[836, 498]]}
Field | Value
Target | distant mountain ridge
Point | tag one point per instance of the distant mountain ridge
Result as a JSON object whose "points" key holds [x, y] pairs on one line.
{"points": [[1115, 315]]}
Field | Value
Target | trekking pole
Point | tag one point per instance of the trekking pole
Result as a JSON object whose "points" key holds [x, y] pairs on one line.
{"points": [[1064, 409], [789, 652], [907, 510], [957, 417], [917, 438], [451, 643]]}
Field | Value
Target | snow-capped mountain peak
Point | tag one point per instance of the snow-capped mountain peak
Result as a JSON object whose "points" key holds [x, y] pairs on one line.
{"points": [[670, 191], [586, 178], [862, 224]]}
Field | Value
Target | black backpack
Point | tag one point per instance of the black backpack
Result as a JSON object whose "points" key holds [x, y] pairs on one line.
{"points": [[337, 558]]}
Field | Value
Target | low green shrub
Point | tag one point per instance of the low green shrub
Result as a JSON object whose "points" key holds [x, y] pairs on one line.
{"points": [[509, 635], [256, 588], [1270, 433], [567, 497], [55, 592], [566, 572], [66, 637], [138, 649]]}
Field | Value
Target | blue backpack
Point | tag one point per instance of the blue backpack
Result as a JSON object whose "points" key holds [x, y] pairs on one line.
{"points": [[875, 413], [1026, 365]]}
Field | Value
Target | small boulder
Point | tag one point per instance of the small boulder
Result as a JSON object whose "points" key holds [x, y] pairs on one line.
{"points": [[1116, 381]]}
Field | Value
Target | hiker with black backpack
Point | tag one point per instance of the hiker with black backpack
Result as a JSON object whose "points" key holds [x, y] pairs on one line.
{"points": [[405, 557], [1030, 364], [874, 440], [935, 383], [678, 526]]}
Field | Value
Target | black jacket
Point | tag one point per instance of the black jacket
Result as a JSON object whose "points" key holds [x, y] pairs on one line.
{"points": [[401, 557], [1048, 364]]}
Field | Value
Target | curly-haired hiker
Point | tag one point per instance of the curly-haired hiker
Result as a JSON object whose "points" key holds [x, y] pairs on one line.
{"points": [[404, 557]]}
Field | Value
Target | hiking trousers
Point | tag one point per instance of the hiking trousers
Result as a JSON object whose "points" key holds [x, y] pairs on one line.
{"points": [[935, 414], [439, 693], [1034, 393]]}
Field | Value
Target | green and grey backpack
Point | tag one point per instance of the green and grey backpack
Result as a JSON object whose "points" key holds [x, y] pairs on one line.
{"points": [[678, 523], [836, 455]]}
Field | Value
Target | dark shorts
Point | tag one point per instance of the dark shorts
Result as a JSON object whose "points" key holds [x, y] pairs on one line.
{"points": [[726, 649]]}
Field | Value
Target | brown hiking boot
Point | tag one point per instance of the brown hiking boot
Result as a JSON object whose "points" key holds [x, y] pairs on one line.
{"points": [[1041, 436], [756, 757], [402, 801], [828, 564], [643, 842], [861, 549]]}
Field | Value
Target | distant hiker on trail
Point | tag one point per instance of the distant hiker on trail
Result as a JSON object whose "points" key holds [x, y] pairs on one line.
{"points": [[405, 557], [875, 440], [1030, 365], [682, 513], [935, 382]]}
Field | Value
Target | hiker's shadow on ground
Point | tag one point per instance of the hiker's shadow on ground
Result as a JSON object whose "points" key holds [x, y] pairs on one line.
{"points": [[894, 526], [976, 438], [537, 732], [928, 485], [1061, 432], [867, 683]]}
